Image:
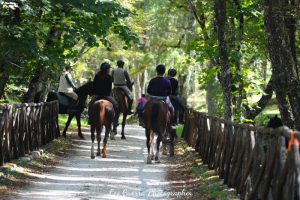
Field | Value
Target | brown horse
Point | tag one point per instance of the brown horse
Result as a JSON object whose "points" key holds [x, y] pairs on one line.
{"points": [[156, 115], [101, 113], [122, 100]]}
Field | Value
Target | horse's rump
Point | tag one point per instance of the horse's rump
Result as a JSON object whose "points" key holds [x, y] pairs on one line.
{"points": [[100, 112], [121, 98], [156, 115]]}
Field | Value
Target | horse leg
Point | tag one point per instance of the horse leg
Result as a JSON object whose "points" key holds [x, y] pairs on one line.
{"points": [[172, 136], [70, 117], [79, 126], [107, 131], [165, 141], [152, 145], [98, 130], [123, 126], [158, 140], [148, 132], [116, 121], [92, 138]]}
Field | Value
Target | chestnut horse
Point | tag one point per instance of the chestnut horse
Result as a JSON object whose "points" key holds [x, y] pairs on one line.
{"points": [[122, 100], [101, 113], [156, 115]]}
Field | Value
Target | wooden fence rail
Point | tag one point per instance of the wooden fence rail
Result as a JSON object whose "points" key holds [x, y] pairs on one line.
{"points": [[25, 127], [256, 161]]}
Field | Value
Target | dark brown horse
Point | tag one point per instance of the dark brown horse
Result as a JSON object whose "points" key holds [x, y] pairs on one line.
{"points": [[122, 100], [156, 115], [101, 113], [82, 92]]}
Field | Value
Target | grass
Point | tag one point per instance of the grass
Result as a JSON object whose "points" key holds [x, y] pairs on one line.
{"points": [[179, 130], [209, 182], [62, 119]]}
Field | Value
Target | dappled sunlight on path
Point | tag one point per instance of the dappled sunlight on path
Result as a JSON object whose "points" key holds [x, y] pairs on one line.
{"points": [[122, 175]]}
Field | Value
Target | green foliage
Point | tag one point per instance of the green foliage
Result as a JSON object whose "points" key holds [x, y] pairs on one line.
{"points": [[43, 35]]}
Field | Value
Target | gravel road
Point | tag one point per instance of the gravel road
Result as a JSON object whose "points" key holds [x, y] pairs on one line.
{"points": [[122, 175]]}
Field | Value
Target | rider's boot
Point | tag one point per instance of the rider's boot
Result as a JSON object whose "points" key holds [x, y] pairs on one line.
{"points": [[130, 102]]}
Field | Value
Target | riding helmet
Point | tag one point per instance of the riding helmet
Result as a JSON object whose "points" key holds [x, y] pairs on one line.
{"points": [[120, 63], [172, 72], [160, 69], [104, 66]]}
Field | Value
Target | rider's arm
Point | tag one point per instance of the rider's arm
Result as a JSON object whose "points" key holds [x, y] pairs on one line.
{"points": [[112, 75], [70, 80], [176, 88], [149, 88], [110, 84], [127, 77], [169, 89]]}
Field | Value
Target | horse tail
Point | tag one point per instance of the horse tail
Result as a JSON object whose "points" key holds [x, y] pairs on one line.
{"points": [[95, 113], [154, 116], [102, 113]]}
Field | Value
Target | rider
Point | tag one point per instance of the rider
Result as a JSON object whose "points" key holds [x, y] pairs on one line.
{"points": [[160, 88], [174, 95], [121, 80], [66, 84], [102, 85], [141, 102]]}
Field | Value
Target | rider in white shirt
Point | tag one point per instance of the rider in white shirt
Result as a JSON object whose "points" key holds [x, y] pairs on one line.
{"points": [[66, 84]]}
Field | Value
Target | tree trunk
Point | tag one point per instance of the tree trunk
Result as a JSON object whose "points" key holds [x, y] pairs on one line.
{"points": [[283, 64], [224, 76], [4, 77], [36, 85]]}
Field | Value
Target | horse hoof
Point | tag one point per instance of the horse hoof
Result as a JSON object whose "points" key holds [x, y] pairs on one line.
{"points": [[103, 156], [123, 137], [149, 161], [156, 159], [64, 135], [92, 157], [80, 136], [152, 157], [98, 154]]}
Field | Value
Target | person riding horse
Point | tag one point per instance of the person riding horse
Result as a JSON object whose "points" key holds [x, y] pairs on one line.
{"points": [[121, 80], [67, 86], [160, 88], [102, 86], [174, 97]]}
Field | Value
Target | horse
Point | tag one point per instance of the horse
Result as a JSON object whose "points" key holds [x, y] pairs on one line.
{"points": [[122, 100], [156, 117], [72, 110], [101, 113]]}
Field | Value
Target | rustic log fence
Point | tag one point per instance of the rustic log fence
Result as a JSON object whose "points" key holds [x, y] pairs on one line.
{"points": [[260, 163], [25, 127]]}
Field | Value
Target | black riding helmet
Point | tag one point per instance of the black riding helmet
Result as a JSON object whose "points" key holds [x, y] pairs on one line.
{"points": [[104, 66], [172, 72], [120, 63], [160, 69]]}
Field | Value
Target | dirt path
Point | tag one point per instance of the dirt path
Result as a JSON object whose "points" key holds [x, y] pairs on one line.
{"points": [[122, 175]]}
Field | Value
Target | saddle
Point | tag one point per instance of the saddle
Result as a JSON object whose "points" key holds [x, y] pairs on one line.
{"points": [[65, 100]]}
